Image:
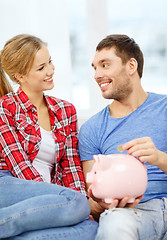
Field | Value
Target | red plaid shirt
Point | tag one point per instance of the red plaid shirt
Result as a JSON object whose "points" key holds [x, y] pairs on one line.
{"points": [[20, 139]]}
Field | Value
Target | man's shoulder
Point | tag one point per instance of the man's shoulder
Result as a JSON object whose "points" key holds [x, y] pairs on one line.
{"points": [[157, 96], [97, 119], [157, 99]]}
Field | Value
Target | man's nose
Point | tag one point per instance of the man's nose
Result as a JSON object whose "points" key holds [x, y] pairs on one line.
{"points": [[98, 74]]}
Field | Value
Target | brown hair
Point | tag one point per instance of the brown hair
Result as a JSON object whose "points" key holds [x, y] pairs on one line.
{"points": [[125, 48], [18, 54]]}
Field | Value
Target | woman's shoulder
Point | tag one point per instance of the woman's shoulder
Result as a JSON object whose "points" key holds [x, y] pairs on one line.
{"points": [[8, 104], [8, 98], [59, 104], [54, 100]]}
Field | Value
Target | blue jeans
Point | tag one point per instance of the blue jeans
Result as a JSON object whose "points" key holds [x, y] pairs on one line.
{"points": [[32, 210], [148, 221]]}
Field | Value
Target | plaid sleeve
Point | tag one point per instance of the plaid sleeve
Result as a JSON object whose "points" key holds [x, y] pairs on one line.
{"points": [[11, 151], [73, 174]]}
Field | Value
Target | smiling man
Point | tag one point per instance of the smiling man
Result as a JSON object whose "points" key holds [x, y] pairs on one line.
{"points": [[136, 120]]}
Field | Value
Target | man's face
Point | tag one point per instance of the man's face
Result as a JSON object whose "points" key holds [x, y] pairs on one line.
{"points": [[111, 74]]}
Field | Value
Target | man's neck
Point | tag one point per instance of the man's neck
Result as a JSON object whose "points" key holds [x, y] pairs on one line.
{"points": [[119, 109]]}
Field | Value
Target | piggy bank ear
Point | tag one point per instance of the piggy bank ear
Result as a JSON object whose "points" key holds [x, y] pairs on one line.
{"points": [[97, 161], [96, 158]]}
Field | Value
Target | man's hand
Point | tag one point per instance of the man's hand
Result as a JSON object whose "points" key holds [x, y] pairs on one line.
{"points": [[144, 149]]}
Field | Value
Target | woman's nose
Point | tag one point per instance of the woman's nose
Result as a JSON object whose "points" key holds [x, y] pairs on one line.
{"points": [[51, 69]]}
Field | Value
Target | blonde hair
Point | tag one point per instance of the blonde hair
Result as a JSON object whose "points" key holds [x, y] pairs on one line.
{"points": [[18, 55], [5, 86]]}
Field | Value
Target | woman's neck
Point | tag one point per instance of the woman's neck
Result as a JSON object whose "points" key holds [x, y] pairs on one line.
{"points": [[37, 99]]}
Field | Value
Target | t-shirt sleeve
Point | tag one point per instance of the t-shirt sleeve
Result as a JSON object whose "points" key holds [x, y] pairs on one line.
{"points": [[88, 141]]}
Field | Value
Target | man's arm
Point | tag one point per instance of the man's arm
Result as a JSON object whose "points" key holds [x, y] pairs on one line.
{"points": [[96, 209]]}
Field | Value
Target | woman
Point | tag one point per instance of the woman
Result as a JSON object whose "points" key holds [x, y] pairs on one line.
{"points": [[38, 142]]}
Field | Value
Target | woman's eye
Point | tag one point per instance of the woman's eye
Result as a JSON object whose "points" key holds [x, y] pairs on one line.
{"points": [[40, 69], [50, 60]]}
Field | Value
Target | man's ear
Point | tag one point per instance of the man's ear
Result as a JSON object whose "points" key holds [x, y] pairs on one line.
{"points": [[132, 66], [19, 77]]}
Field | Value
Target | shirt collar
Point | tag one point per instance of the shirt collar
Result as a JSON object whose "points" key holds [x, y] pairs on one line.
{"points": [[27, 104], [24, 101], [53, 106]]}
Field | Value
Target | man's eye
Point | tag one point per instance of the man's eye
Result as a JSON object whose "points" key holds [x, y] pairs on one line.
{"points": [[50, 60], [105, 65]]}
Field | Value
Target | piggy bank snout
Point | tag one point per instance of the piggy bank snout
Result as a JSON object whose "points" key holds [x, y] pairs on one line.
{"points": [[89, 177]]}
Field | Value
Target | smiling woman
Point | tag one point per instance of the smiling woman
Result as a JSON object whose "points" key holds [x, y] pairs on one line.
{"points": [[40, 74], [38, 142]]}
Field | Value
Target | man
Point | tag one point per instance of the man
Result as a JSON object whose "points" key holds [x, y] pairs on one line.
{"points": [[136, 120]]}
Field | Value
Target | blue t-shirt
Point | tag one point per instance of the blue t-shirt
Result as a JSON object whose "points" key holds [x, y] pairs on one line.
{"points": [[102, 134]]}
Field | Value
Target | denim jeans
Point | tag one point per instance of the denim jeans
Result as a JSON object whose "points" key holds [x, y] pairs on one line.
{"points": [[32, 210], [147, 221]]}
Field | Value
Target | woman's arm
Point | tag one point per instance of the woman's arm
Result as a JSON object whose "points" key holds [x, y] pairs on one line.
{"points": [[71, 164], [12, 154]]}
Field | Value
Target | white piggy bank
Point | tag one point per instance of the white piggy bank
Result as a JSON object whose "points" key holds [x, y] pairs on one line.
{"points": [[116, 176]]}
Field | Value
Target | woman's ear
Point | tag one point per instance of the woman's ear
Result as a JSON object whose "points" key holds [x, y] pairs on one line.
{"points": [[132, 66], [19, 77]]}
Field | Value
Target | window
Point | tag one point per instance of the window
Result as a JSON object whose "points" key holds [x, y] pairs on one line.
{"points": [[72, 29]]}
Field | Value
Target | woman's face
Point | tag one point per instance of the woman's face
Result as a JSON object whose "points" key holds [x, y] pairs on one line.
{"points": [[40, 77]]}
